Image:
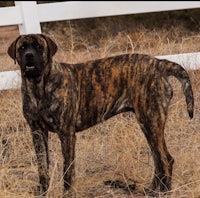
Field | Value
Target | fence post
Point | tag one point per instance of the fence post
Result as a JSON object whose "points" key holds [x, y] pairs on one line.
{"points": [[31, 23]]}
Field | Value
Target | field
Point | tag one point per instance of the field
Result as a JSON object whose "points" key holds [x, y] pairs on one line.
{"points": [[115, 149]]}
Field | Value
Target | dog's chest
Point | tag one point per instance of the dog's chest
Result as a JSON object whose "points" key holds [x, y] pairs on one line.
{"points": [[50, 113], [43, 111]]}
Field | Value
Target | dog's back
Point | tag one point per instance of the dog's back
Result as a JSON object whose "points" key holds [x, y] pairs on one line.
{"points": [[128, 82]]}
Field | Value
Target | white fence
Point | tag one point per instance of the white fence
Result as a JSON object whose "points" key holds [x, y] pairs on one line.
{"points": [[28, 15]]}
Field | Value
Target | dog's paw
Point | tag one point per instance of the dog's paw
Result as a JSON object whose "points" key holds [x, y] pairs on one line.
{"points": [[153, 193]]}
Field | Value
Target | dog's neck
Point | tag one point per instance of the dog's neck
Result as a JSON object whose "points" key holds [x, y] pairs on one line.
{"points": [[33, 87]]}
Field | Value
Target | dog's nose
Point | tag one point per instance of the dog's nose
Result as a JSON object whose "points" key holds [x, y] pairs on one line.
{"points": [[29, 55]]}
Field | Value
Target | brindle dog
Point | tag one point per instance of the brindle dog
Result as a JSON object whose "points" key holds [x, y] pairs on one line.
{"points": [[68, 98]]}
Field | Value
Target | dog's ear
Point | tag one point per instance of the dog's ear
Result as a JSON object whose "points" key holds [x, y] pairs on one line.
{"points": [[51, 45], [12, 49]]}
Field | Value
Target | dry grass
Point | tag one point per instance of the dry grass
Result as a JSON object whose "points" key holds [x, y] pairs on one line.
{"points": [[115, 149]]}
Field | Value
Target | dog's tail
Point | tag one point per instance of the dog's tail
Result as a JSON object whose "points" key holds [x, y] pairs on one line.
{"points": [[176, 70]]}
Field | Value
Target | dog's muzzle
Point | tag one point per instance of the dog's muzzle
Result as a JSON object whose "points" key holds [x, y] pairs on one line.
{"points": [[30, 64], [30, 69]]}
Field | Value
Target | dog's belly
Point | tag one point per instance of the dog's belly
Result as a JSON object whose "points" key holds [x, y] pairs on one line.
{"points": [[96, 115]]}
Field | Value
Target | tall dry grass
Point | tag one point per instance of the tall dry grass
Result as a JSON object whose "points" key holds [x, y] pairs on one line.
{"points": [[115, 149]]}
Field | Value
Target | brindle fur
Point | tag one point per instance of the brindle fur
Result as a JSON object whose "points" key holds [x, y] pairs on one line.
{"points": [[68, 98]]}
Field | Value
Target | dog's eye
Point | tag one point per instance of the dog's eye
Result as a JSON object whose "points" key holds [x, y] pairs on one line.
{"points": [[38, 46], [22, 48]]}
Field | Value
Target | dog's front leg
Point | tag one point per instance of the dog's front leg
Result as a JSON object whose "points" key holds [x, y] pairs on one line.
{"points": [[40, 141], [68, 140]]}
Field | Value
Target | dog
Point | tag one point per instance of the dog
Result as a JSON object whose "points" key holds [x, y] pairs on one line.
{"points": [[69, 98]]}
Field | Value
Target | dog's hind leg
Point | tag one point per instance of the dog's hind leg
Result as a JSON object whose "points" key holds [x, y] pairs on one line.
{"points": [[163, 161], [68, 140], [152, 119], [40, 141]]}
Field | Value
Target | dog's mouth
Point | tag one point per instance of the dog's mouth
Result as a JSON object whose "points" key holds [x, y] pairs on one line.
{"points": [[30, 67], [31, 71]]}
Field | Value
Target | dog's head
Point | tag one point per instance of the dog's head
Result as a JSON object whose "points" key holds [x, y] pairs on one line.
{"points": [[33, 52]]}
